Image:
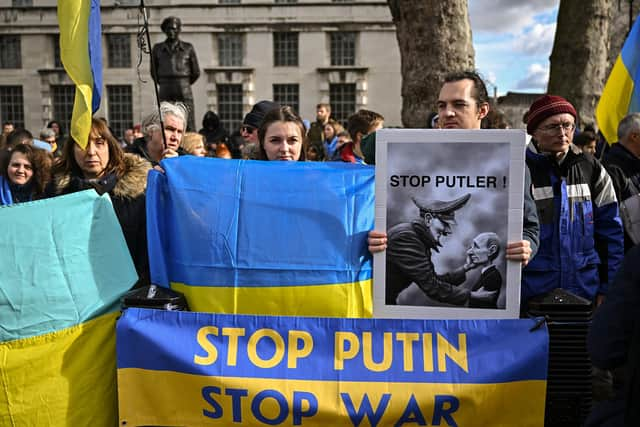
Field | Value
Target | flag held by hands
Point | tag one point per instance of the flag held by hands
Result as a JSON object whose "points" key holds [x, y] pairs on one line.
{"points": [[81, 54]]}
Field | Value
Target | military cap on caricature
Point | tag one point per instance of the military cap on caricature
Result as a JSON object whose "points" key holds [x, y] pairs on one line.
{"points": [[444, 210]]}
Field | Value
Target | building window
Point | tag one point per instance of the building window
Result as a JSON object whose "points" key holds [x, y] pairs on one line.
{"points": [[119, 50], [230, 50], [63, 96], [10, 56], [343, 48], [57, 60], [342, 97], [230, 105], [287, 94], [286, 1], [12, 105], [285, 49], [228, 1], [21, 3], [119, 101]]}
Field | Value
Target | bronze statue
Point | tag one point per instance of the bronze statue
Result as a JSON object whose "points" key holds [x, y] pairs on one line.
{"points": [[175, 67]]}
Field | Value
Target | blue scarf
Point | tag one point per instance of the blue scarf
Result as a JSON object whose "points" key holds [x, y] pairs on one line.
{"points": [[5, 192]]}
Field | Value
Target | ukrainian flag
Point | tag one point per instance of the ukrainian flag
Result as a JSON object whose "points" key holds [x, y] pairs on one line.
{"points": [[81, 54], [65, 266], [257, 237], [621, 94]]}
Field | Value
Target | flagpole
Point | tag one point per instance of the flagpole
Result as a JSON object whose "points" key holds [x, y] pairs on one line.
{"points": [[145, 25]]}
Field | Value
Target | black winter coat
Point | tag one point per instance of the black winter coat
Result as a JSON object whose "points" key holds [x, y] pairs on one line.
{"points": [[129, 202]]}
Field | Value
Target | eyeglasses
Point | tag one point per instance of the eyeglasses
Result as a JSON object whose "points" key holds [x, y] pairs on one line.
{"points": [[556, 128], [248, 129]]}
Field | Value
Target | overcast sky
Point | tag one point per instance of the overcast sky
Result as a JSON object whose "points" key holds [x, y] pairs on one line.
{"points": [[513, 41]]}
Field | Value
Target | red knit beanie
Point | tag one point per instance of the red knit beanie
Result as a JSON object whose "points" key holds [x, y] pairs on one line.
{"points": [[547, 106]]}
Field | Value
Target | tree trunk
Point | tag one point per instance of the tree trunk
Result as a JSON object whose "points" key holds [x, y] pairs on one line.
{"points": [[434, 38], [580, 54]]}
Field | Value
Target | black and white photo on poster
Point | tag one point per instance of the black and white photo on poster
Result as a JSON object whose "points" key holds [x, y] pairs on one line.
{"points": [[447, 214]]}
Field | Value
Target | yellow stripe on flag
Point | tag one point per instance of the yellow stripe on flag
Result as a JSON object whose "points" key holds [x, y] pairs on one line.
{"points": [[339, 300], [73, 19], [614, 102], [172, 398], [64, 378]]}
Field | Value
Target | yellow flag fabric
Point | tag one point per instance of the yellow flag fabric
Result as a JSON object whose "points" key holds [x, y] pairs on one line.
{"points": [[621, 94], [64, 378]]}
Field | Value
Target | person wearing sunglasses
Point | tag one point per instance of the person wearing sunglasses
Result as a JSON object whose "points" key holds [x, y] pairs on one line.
{"points": [[581, 237], [253, 120]]}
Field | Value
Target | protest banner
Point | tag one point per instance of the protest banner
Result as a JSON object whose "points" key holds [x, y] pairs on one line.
{"points": [[65, 266], [182, 368], [449, 201], [252, 237]]}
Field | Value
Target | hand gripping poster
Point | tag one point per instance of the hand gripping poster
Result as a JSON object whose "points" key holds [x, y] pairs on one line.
{"points": [[450, 201]]}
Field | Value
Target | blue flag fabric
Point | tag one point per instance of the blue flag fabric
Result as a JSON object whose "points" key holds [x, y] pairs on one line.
{"points": [[263, 237], [64, 261], [5, 192]]}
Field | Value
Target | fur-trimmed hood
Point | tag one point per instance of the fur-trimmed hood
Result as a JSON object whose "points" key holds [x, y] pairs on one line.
{"points": [[131, 185]]}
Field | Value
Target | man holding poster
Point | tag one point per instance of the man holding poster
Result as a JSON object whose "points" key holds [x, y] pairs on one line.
{"points": [[462, 104]]}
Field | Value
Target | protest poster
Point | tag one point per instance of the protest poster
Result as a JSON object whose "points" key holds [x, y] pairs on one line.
{"points": [[186, 368], [449, 200]]}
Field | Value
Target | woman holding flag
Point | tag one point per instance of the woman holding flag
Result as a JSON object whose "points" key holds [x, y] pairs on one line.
{"points": [[104, 167]]}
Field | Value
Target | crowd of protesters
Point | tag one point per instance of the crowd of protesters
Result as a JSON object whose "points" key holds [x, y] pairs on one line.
{"points": [[580, 215]]}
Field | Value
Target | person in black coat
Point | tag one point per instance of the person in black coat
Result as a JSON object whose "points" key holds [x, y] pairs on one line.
{"points": [[213, 131], [614, 344], [103, 166]]}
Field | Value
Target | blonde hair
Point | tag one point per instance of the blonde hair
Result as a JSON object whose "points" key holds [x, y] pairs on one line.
{"points": [[190, 141]]}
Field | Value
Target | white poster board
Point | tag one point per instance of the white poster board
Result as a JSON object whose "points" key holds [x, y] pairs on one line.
{"points": [[460, 273]]}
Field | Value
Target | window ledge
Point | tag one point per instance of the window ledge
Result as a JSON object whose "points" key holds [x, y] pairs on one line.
{"points": [[52, 70], [356, 68], [241, 69]]}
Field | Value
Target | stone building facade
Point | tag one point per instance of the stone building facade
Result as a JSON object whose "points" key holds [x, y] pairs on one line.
{"points": [[296, 52]]}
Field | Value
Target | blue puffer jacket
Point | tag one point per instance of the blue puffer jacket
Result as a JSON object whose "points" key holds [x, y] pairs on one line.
{"points": [[581, 237]]}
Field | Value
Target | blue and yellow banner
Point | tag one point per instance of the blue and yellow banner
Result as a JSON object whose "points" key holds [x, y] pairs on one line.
{"points": [[182, 368], [81, 55], [64, 378], [621, 94], [251, 237], [64, 261], [64, 267]]}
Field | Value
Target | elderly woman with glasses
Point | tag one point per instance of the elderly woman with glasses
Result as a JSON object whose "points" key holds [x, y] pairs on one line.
{"points": [[581, 240]]}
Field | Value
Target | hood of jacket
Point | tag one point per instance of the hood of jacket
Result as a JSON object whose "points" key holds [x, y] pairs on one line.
{"points": [[210, 121]]}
